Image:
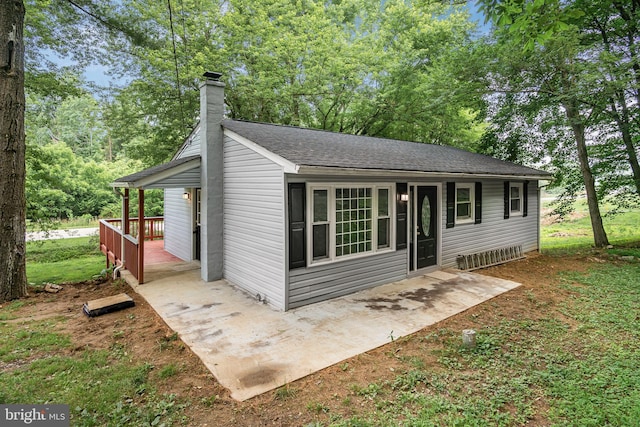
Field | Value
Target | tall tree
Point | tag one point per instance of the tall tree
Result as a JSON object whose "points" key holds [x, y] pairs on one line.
{"points": [[13, 279], [557, 71]]}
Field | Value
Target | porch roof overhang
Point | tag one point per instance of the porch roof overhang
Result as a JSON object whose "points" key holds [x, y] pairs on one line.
{"points": [[178, 173]]}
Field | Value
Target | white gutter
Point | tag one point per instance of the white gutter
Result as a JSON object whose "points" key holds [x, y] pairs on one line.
{"points": [[322, 170]]}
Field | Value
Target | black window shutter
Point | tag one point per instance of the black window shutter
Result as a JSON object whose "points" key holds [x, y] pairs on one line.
{"points": [[451, 204], [525, 198], [478, 207], [506, 200], [297, 226], [401, 217]]}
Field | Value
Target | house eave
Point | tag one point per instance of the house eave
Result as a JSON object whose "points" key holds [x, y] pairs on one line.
{"points": [[287, 166], [337, 171], [152, 181]]}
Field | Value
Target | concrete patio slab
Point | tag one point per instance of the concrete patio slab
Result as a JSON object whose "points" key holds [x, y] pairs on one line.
{"points": [[251, 349]]}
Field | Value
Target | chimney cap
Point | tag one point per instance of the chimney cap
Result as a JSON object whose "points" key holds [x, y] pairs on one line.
{"points": [[210, 75]]}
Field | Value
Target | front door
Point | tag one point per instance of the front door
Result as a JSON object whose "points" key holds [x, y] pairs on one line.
{"points": [[426, 215]]}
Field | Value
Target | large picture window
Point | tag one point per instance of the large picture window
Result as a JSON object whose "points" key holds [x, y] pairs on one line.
{"points": [[349, 220]]}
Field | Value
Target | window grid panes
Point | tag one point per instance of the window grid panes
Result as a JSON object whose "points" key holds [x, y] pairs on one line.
{"points": [[515, 196], [463, 204], [320, 224], [384, 219], [354, 226]]}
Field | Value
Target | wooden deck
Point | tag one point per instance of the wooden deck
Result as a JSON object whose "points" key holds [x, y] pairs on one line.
{"points": [[154, 253], [120, 240]]}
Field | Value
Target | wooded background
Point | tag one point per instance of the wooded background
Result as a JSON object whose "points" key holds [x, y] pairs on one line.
{"points": [[546, 83]]}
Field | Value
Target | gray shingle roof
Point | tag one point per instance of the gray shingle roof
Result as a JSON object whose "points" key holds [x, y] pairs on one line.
{"points": [[311, 147]]}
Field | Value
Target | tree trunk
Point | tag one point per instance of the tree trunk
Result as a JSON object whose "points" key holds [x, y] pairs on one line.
{"points": [[623, 120], [13, 279], [625, 129], [599, 235]]}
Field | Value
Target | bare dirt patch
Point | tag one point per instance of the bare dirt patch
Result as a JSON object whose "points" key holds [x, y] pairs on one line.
{"points": [[337, 390]]}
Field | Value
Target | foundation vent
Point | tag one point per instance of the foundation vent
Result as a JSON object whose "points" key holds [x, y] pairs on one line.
{"points": [[489, 258]]}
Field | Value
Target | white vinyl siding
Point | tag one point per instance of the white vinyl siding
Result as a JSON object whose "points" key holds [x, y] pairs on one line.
{"points": [[178, 224], [192, 146], [494, 232], [254, 224], [322, 282], [187, 179]]}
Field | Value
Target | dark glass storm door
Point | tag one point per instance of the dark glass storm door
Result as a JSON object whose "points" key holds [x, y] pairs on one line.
{"points": [[425, 215], [196, 231]]}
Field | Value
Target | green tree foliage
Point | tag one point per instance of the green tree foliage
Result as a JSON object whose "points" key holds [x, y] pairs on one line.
{"points": [[575, 68], [61, 184], [388, 69], [68, 174]]}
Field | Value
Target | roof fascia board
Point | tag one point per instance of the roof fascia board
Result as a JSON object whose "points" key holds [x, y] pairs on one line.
{"points": [[321, 170], [287, 166], [152, 179]]}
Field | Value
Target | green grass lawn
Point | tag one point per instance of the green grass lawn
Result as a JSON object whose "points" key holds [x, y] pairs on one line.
{"points": [[572, 235], [102, 387], [63, 224], [64, 260], [588, 375], [581, 359]]}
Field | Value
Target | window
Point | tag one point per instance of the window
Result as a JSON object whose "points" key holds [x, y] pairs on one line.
{"points": [[320, 224], [464, 203], [384, 218], [349, 220], [515, 198]]}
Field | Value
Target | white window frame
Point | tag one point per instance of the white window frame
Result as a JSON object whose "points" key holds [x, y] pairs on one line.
{"points": [[313, 223], [331, 187], [520, 188], [388, 216], [472, 203]]}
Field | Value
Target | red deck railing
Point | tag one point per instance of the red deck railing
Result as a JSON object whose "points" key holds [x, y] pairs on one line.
{"points": [[111, 241], [154, 227]]}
